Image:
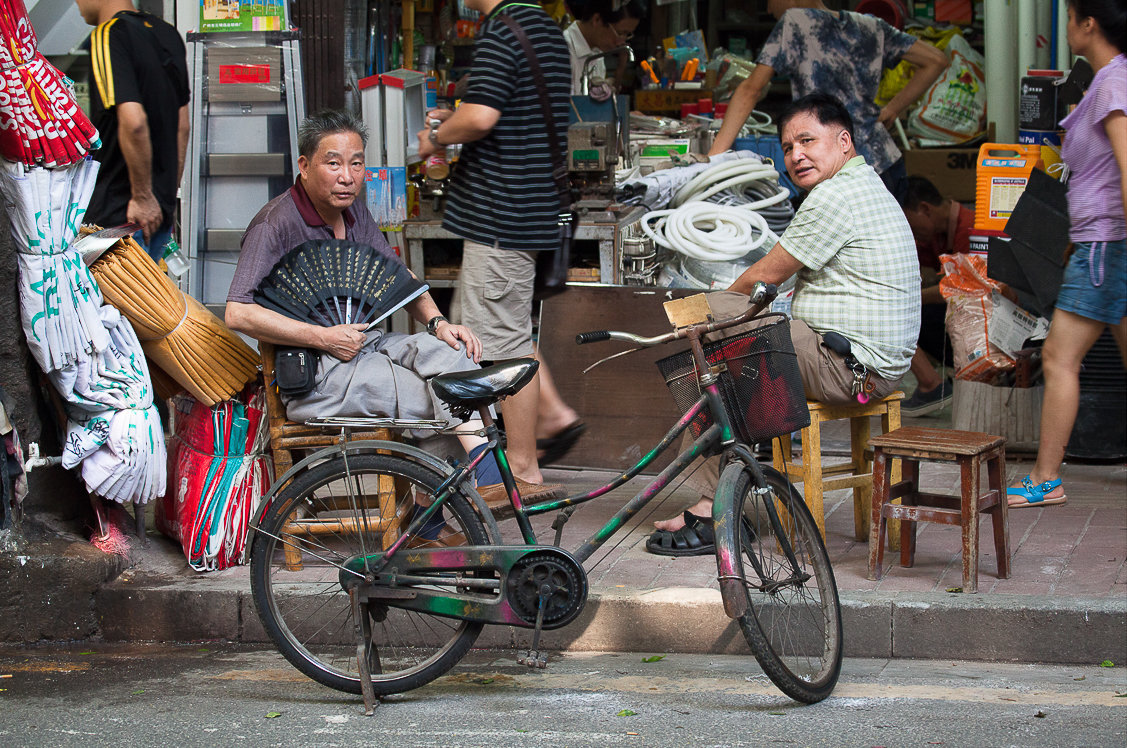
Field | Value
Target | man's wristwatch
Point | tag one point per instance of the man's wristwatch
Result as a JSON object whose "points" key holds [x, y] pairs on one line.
{"points": [[432, 324]]}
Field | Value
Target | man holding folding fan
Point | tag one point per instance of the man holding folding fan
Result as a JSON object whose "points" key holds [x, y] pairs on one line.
{"points": [[359, 372]]}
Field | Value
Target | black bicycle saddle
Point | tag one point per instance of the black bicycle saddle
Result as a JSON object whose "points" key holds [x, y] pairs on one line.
{"points": [[480, 388]]}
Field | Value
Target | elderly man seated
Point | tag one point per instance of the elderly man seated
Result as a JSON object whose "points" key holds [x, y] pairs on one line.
{"points": [[366, 373], [858, 284]]}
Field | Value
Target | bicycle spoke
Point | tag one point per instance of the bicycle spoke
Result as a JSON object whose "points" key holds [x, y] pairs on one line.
{"points": [[325, 517]]}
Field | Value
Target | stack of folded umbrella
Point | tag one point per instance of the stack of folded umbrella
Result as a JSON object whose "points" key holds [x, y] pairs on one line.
{"points": [[89, 352], [40, 121]]}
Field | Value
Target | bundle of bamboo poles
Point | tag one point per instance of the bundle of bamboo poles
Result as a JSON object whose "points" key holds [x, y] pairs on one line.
{"points": [[188, 342]]}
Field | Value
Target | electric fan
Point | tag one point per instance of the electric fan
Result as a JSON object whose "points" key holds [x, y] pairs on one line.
{"points": [[334, 282]]}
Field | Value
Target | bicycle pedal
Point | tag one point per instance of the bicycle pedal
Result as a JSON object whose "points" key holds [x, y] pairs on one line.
{"points": [[534, 659]]}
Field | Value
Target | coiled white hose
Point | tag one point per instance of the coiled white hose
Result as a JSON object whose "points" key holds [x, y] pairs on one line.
{"points": [[712, 232], [707, 231]]}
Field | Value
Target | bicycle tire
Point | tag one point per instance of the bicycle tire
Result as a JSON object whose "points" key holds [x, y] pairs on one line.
{"points": [[794, 629], [304, 608]]}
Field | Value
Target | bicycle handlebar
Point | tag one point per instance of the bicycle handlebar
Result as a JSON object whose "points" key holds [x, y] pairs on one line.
{"points": [[761, 295]]}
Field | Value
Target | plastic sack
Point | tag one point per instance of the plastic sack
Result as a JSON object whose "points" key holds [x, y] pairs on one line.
{"points": [[954, 108], [219, 474], [970, 299], [894, 79]]}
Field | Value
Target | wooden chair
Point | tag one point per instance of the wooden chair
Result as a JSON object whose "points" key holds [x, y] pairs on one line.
{"points": [[856, 473], [287, 436], [970, 450]]}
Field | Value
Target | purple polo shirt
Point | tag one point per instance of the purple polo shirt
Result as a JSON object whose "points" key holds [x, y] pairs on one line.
{"points": [[1095, 197], [287, 221]]}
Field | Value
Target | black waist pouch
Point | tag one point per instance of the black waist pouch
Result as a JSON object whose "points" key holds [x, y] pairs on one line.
{"points": [[295, 370]]}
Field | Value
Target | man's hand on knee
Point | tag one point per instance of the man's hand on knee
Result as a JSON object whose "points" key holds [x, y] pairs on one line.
{"points": [[451, 334]]}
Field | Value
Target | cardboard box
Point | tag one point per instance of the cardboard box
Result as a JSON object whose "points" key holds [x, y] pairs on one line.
{"points": [[951, 170]]}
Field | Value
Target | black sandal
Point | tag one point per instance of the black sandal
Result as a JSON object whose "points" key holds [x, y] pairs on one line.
{"points": [[555, 447], [694, 539]]}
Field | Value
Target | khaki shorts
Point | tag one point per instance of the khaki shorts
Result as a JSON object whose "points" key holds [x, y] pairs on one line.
{"points": [[496, 290]]}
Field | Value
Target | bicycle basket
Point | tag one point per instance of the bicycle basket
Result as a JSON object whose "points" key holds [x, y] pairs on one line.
{"points": [[761, 387]]}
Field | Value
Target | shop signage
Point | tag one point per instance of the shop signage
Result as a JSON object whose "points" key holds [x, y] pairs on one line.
{"points": [[240, 15]]}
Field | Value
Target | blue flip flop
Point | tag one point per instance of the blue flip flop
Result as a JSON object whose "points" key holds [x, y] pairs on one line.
{"points": [[1034, 495]]}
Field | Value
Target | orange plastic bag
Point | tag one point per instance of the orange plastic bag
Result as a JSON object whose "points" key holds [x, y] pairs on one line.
{"points": [[970, 304]]}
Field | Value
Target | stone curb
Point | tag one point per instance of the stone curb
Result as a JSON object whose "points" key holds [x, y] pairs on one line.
{"points": [[996, 628]]}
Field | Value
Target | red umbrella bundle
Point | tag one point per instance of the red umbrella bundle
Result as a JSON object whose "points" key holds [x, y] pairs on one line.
{"points": [[40, 121], [218, 476]]}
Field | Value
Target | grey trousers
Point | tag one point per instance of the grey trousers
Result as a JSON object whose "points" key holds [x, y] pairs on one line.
{"points": [[388, 378]]}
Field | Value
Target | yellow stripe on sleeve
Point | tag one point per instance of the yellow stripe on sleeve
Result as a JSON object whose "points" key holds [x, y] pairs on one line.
{"points": [[103, 66]]}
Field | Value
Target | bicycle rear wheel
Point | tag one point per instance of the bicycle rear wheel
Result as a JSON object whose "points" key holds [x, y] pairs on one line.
{"points": [[793, 618], [317, 523]]}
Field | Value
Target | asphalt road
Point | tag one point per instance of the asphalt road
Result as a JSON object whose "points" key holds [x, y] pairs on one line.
{"points": [[209, 695]]}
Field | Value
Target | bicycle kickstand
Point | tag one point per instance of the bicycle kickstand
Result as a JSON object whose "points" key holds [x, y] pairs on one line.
{"points": [[363, 628], [534, 657]]}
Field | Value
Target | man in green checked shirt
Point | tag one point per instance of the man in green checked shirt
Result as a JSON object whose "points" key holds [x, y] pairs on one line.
{"points": [[857, 279]]}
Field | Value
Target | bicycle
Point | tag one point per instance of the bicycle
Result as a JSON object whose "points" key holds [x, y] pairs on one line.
{"points": [[344, 545]]}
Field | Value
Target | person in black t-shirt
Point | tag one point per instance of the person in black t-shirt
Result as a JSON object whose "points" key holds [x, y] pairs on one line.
{"points": [[139, 103]]}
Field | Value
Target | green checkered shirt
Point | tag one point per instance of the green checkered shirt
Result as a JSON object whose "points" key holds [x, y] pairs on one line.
{"points": [[861, 276]]}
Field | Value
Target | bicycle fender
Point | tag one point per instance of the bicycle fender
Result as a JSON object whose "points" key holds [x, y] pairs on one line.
{"points": [[725, 525], [408, 451]]}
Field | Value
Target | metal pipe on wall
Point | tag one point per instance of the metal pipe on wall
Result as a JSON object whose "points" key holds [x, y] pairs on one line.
{"points": [[1001, 68], [1026, 37], [1063, 59], [1044, 34]]}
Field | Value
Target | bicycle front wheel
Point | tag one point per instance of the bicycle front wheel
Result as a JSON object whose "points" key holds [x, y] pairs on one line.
{"points": [[326, 516], [793, 617]]}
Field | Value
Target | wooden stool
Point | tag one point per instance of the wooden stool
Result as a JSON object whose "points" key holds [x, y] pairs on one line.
{"points": [[969, 449], [855, 474], [287, 436]]}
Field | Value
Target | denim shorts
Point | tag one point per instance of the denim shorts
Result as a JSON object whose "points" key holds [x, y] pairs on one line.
{"points": [[1095, 281]]}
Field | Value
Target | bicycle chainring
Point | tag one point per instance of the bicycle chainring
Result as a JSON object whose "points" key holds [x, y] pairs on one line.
{"points": [[566, 581]]}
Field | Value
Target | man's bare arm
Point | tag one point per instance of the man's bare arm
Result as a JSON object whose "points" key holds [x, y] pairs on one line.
{"points": [[183, 130], [469, 122], [776, 267], [930, 63], [743, 101], [136, 148]]}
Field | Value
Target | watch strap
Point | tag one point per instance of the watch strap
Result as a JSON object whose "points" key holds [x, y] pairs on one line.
{"points": [[432, 323]]}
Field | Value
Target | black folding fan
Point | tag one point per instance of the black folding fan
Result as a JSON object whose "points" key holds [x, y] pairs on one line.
{"points": [[334, 282]]}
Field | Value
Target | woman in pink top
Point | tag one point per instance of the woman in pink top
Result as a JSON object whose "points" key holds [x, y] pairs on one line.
{"points": [[1093, 294]]}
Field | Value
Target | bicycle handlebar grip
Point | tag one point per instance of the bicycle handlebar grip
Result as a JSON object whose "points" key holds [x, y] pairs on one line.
{"points": [[594, 336], [764, 293]]}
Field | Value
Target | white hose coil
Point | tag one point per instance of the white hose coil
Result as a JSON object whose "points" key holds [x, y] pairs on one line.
{"points": [[713, 232]]}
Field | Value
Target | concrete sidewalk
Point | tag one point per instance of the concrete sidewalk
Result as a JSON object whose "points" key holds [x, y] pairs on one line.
{"points": [[1066, 600]]}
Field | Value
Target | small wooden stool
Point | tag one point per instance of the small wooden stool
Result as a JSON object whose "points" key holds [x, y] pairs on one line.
{"points": [[970, 450], [855, 474]]}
